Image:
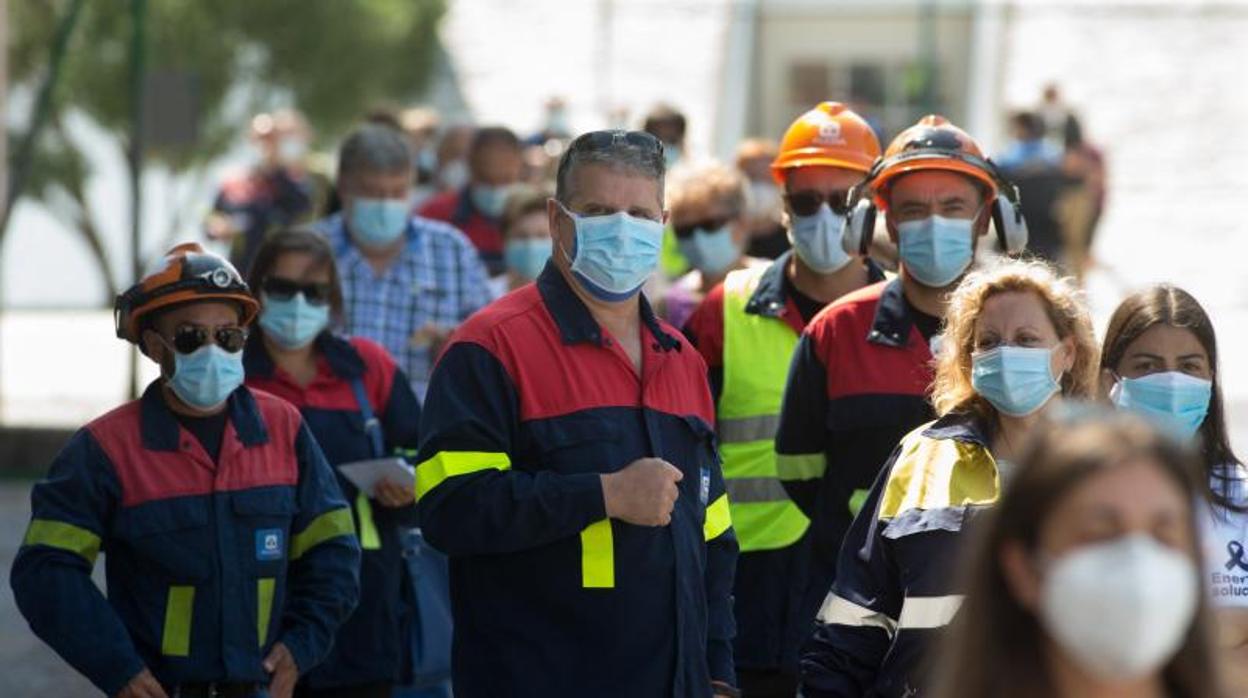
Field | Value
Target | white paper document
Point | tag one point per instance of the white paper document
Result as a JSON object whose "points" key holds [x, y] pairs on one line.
{"points": [[365, 474]]}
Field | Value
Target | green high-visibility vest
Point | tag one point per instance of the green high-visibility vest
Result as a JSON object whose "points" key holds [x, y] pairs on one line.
{"points": [[757, 352]]}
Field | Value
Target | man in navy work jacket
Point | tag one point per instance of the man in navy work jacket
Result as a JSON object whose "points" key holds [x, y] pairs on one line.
{"points": [[568, 464], [231, 556]]}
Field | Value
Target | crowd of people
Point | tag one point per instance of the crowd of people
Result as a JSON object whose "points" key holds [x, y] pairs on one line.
{"points": [[816, 422]]}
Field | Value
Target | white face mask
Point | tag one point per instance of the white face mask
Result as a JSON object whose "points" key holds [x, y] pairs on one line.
{"points": [[1122, 608]]}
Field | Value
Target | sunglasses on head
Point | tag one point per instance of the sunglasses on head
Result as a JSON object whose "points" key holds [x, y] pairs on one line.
{"points": [[685, 230], [807, 203], [280, 289], [602, 140], [188, 338]]}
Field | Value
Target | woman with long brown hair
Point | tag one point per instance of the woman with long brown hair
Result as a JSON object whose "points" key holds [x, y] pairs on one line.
{"points": [[1016, 337], [1083, 581], [1160, 360]]}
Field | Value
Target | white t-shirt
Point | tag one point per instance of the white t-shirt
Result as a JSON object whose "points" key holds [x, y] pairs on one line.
{"points": [[1225, 539]]}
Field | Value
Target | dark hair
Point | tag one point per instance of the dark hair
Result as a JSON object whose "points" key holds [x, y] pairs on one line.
{"points": [[995, 646], [384, 115], [523, 201], [1164, 304], [1029, 123], [296, 240], [663, 115], [490, 136]]}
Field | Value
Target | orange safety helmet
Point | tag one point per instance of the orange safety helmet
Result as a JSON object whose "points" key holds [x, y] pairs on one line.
{"points": [[933, 144], [830, 135], [187, 273]]}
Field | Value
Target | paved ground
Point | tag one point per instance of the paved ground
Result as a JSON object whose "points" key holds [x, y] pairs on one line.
{"points": [[27, 667]]}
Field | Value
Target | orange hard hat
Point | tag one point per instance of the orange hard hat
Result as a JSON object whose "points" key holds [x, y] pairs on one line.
{"points": [[932, 144], [829, 135], [186, 273]]}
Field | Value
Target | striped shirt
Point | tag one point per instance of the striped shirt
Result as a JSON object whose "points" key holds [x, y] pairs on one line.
{"points": [[435, 284]]}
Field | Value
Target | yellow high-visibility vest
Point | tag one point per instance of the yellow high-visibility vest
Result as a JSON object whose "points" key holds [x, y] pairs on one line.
{"points": [[757, 352]]}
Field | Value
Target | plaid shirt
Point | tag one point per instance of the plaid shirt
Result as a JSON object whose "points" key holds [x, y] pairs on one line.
{"points": [[438, 281]]}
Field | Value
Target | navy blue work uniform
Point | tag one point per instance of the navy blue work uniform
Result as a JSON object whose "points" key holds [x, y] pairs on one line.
{"points": [[531, 403], [858, 383], [209, 562], [370, 646], [897, 582]]}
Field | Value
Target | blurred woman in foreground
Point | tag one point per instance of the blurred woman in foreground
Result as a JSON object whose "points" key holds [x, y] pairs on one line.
{"points": [[1084, 581]]}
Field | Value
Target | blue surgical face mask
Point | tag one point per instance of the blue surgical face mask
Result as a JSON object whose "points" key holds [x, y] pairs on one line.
{"points": [[671, 155], [1016, 380], [1175, 401], [378, 222], [936, 250], [711, 251], [527, 256], [489, 200], [817, 240], [293, 323], [614, 254], [205, 377]]}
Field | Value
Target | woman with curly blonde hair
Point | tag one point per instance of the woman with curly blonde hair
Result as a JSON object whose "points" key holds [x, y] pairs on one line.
{"points": [[1016, 336]]}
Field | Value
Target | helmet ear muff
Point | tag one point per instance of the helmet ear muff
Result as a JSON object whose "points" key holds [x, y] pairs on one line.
{"points": [[860, 228], [1007, 218]]}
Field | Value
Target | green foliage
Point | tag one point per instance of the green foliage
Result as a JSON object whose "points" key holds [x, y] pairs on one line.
{"points": [[332, 58]]}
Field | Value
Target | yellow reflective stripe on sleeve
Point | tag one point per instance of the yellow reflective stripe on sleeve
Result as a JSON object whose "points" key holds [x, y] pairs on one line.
{"points": [[718, 519], [265, 588], [329, 525], [447, 464], [369, 538], [68, 537], [804, 466], [839, 611], [176, 640], [598, 556]]}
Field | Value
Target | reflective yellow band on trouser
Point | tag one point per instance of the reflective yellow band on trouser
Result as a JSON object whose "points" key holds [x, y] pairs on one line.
{"points": [[718, 518], [67, 537], [448, 464], [331, 524], [176, 640], [369, 538], [598, 556], [763, 516], [801, 466], [265, 588]]}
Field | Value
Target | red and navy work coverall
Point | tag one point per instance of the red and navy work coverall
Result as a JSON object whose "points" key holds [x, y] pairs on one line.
{"points": [[858, 383], [208, 564], [455, 207], [370, 646], [530, 403]]}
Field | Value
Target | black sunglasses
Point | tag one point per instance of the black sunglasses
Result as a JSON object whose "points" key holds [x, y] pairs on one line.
{"points": [[188, 338], [807, 202], [601, 140], [685, 230], [280, 289]]}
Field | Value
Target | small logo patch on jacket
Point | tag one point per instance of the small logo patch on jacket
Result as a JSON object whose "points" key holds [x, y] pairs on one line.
{"points": [[269, 544]]}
